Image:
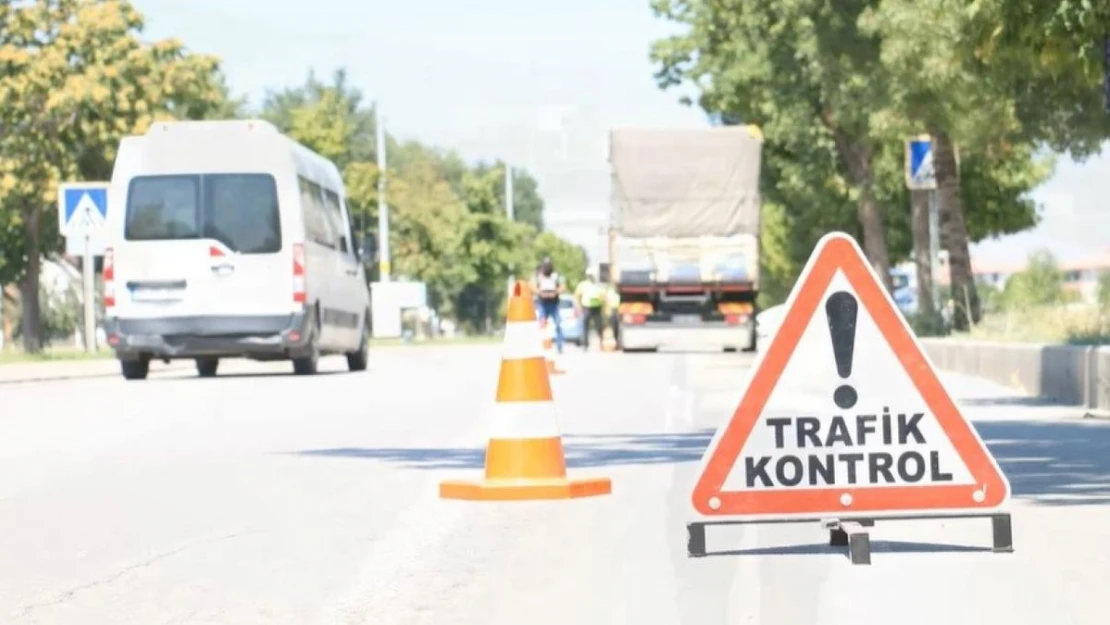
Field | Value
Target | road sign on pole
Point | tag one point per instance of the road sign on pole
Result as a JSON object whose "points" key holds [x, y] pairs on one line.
{"points": [[920, 175], [82, 211], [82, 208]]}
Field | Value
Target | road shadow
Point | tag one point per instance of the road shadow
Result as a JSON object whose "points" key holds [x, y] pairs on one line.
{"points": [[877, 546], [582, 451], [241, 375], [1053, 462]]}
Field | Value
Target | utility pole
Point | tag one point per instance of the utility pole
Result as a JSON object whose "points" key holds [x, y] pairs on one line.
{"points": [[509, 192], [509, 210], [383, 207]]}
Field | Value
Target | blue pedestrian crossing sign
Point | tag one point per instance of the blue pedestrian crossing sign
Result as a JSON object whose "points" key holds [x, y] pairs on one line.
{"points": [[919, 163], [82, 208]]}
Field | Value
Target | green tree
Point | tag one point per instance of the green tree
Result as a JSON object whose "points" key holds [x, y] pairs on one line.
{"points": [[447, 219], [75, 76], [570, 260], [527, 201], [329, 118], [1104, 290], [778, 267], [429, 234], [1006, 80], [495, 248], [803, 72], [1040, 284], [819, 80]]}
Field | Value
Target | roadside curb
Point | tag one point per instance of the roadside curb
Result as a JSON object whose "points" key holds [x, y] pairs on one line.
{"points": [[25, 373]]}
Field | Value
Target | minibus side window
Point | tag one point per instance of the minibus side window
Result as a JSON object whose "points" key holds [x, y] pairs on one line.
{"points": [[241, 211]]}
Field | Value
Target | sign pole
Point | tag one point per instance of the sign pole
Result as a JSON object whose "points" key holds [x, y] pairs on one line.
{"points": [[509, 192], [383, 206], [934, 247], [87, 278], [509, 210], [82, 215]]}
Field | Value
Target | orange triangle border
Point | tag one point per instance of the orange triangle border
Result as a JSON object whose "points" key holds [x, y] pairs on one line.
{"points": [[837, 251]]}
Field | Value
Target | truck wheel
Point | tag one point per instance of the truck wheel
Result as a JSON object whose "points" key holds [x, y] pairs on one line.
{"points": [[135, 369]]}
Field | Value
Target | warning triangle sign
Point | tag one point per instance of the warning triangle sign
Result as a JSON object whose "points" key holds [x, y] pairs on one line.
{"points": [[844, 414]]}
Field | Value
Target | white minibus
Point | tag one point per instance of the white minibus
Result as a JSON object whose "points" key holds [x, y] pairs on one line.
{"points": [[229, 239]]}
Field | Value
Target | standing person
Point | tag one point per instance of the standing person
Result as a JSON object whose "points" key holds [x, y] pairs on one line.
{"points": [[549, 285], [613, 304], [590, 297]]}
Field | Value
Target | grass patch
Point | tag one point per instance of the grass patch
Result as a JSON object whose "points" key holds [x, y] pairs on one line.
{"points": [[18, 356], [60, 354], [1060, 324], [438, 341]]}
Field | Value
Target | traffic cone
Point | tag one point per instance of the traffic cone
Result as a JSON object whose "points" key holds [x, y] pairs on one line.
{"points": [[549, 348], [524, 455]]}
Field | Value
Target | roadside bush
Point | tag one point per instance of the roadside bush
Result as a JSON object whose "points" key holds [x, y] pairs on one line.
{"points": [[61, 316]]}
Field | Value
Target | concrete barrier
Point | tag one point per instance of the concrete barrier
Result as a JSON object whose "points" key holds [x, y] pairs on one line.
{"points": [[1067, 374]]}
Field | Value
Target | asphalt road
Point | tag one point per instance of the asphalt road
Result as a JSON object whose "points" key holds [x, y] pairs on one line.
{"points": [[259, 497]]}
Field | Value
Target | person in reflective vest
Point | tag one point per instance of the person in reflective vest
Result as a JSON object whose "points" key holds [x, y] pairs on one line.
{"points": [[548, 286], [589, 296]]}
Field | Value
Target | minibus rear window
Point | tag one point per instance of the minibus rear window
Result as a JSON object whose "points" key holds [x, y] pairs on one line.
{"points": [[238, 210]]}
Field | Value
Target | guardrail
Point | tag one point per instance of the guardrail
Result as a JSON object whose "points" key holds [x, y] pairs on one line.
{"points": [[1068, 374]]}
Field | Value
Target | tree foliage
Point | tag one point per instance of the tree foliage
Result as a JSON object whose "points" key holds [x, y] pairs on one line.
{"points": [[1040, 284], [76, 76], [837, 86], [448, 223]]}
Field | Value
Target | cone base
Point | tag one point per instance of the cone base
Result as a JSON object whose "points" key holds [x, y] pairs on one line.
{"points": [[522, 490]]}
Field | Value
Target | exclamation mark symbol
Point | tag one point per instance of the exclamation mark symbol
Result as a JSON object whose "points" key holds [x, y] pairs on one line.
{"points": [[841, 309]]}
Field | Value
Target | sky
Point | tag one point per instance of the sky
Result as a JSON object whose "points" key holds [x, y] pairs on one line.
{"points": [[535, 83]]}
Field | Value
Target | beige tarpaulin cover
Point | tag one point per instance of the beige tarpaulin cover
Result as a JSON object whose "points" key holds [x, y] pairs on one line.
{"points": [[685, 183]]}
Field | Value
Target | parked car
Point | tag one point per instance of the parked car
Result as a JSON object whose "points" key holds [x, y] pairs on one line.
{"points": [[569, 319]]}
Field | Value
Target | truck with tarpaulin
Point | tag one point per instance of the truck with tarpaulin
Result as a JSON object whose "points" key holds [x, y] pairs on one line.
{"points": [[684, 236]]}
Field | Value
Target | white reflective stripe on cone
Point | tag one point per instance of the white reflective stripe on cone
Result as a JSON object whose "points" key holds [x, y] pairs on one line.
{"points": [[523, 419], [522, 340]]}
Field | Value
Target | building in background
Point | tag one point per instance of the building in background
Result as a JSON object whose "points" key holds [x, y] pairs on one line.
{"points": [[1080, 276]]}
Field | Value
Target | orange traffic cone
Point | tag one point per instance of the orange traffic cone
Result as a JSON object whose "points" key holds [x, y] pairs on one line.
{"points": [[524, 455], [549, 348]]}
